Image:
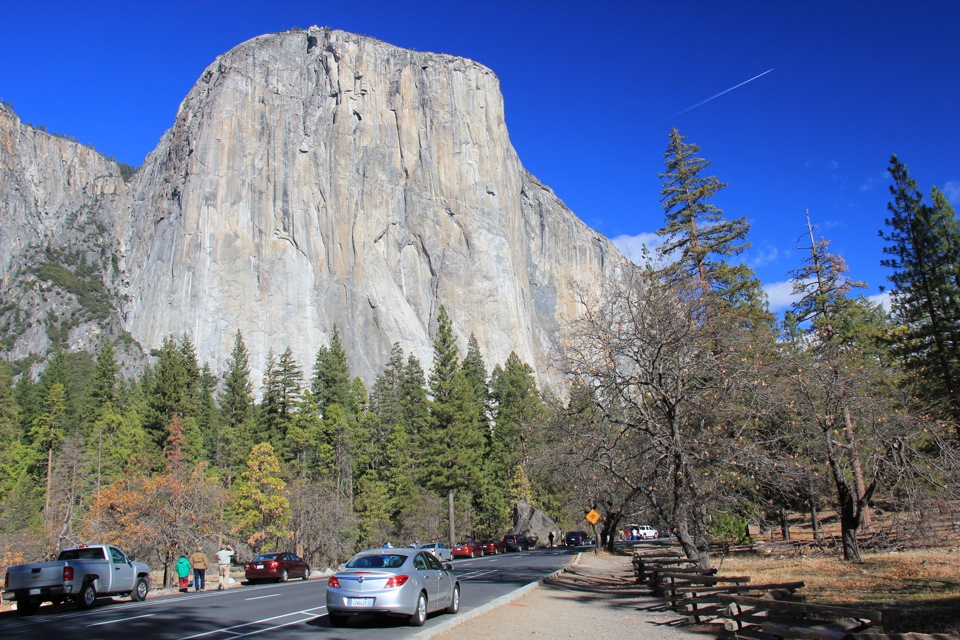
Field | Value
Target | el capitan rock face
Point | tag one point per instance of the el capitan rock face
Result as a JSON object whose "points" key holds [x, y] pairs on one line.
{"points": [[318, 178]]}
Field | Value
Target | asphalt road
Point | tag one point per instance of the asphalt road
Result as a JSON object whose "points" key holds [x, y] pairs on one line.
{"points": [[290, 610]]}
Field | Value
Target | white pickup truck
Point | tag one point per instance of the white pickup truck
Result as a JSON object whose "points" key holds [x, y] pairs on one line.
{"points": [[81, 573]]}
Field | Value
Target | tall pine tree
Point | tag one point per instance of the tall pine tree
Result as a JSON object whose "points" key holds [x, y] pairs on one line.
{"points": [[923, 244]]}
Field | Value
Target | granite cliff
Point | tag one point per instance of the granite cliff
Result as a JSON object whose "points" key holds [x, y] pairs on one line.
{"points": [[311, 178]]}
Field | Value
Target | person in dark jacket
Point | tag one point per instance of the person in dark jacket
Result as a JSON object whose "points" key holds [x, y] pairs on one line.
{"points": [[183, 573]]}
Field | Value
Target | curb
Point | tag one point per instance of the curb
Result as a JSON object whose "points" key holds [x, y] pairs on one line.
{"points": [[490, 606]]}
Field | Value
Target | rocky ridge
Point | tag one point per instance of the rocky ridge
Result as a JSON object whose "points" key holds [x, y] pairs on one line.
{"points": [[311, 178]]}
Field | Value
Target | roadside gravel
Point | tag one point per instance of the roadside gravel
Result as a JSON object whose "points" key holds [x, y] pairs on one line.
{"points": [[595, 597]]}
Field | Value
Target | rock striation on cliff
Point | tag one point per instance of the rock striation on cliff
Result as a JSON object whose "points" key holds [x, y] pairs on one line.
{"points": [[318, 178]]}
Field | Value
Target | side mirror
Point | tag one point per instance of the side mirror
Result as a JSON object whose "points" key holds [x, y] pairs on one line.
{"points": [[448, 567]]}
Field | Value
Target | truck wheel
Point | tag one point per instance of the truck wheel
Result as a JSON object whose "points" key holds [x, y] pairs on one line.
{"points": [[87, 596], [140, 588], [27, 607]]}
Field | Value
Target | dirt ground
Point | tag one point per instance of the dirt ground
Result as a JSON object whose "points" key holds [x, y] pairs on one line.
{"points": [[596, 598]]}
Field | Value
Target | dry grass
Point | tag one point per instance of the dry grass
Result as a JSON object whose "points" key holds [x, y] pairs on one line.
{"points": [[917, 590]]}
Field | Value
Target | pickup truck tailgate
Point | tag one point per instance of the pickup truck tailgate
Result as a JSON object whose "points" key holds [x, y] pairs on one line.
{"points": [[40, 574]]}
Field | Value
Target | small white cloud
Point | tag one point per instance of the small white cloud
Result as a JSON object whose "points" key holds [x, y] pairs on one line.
{"points": [[952, 191], [882, 299], [872, 182], [780, 295], [764, 256], [632, 246]]}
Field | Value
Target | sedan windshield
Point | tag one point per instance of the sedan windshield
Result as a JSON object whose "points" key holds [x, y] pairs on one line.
{"points": [[377, 562]]}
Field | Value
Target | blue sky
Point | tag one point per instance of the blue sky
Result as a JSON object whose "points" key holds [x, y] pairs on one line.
{"points": [[591, 90]]}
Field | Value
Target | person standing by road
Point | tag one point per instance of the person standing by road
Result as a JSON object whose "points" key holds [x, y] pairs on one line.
{"points": [[550, 538], [200, 563], [223, 564], [183, 573]]}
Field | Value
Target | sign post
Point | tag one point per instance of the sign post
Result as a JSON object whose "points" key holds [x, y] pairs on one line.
{"points": [[593, 517]]}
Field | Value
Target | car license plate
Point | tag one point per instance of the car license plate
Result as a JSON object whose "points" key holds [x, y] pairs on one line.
{"points": [[34, 592], [259, 566], [361, 602]]}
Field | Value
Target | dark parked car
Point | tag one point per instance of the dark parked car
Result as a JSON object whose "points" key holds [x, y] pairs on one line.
{"points": [[466, 549], [492, 547], [576, 538], [278, 566], [516, 542]]}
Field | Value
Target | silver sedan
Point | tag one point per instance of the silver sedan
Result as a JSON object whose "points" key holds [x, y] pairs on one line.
{"points": [[397, 582], [440, 550]]}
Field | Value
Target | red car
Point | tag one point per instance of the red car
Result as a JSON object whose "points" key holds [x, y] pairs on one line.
{"points": [[492, 547], [467, 549], [279, 566]]}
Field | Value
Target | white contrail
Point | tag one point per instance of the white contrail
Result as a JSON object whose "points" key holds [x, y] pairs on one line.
{"points": [[703, 102]]}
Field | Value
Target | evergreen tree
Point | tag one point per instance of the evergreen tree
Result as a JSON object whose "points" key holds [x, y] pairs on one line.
{"points": [[696, 231], [454, 441], [208, 416], [282, 389], [174, 387], [476, 372], [413, 400], [14, 454], [307, 450], [385, 397], [923, 245], [105, 389], [237, 409], [331, 376], [446, 359]]}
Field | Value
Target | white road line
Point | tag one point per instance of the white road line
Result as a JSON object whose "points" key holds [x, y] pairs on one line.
{"points": [[279, 626], [97, 624], [272, 595], [475, 574], [229, 630]]}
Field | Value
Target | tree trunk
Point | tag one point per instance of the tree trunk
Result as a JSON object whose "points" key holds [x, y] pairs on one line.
{"points": [[814, 519], [858, 484], [784, 524], [690, 547], [849, 524]]}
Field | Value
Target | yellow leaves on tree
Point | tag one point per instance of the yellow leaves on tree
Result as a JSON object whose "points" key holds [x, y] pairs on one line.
{"points": [[263, 509]]}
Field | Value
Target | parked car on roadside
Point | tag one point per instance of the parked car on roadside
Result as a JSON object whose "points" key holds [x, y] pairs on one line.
{"points": [[646, 532], [575, 538], [492, 546], [81, 574], [279, 566], [466, 549], [516, 542], [394, 582], [438, 549]]}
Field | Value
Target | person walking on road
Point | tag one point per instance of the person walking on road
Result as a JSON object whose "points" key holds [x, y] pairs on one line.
{"points": [[223, 564], [200, 563]]}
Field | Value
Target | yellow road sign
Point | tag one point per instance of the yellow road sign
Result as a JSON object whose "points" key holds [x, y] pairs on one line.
{"points": [[593, 517]]}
